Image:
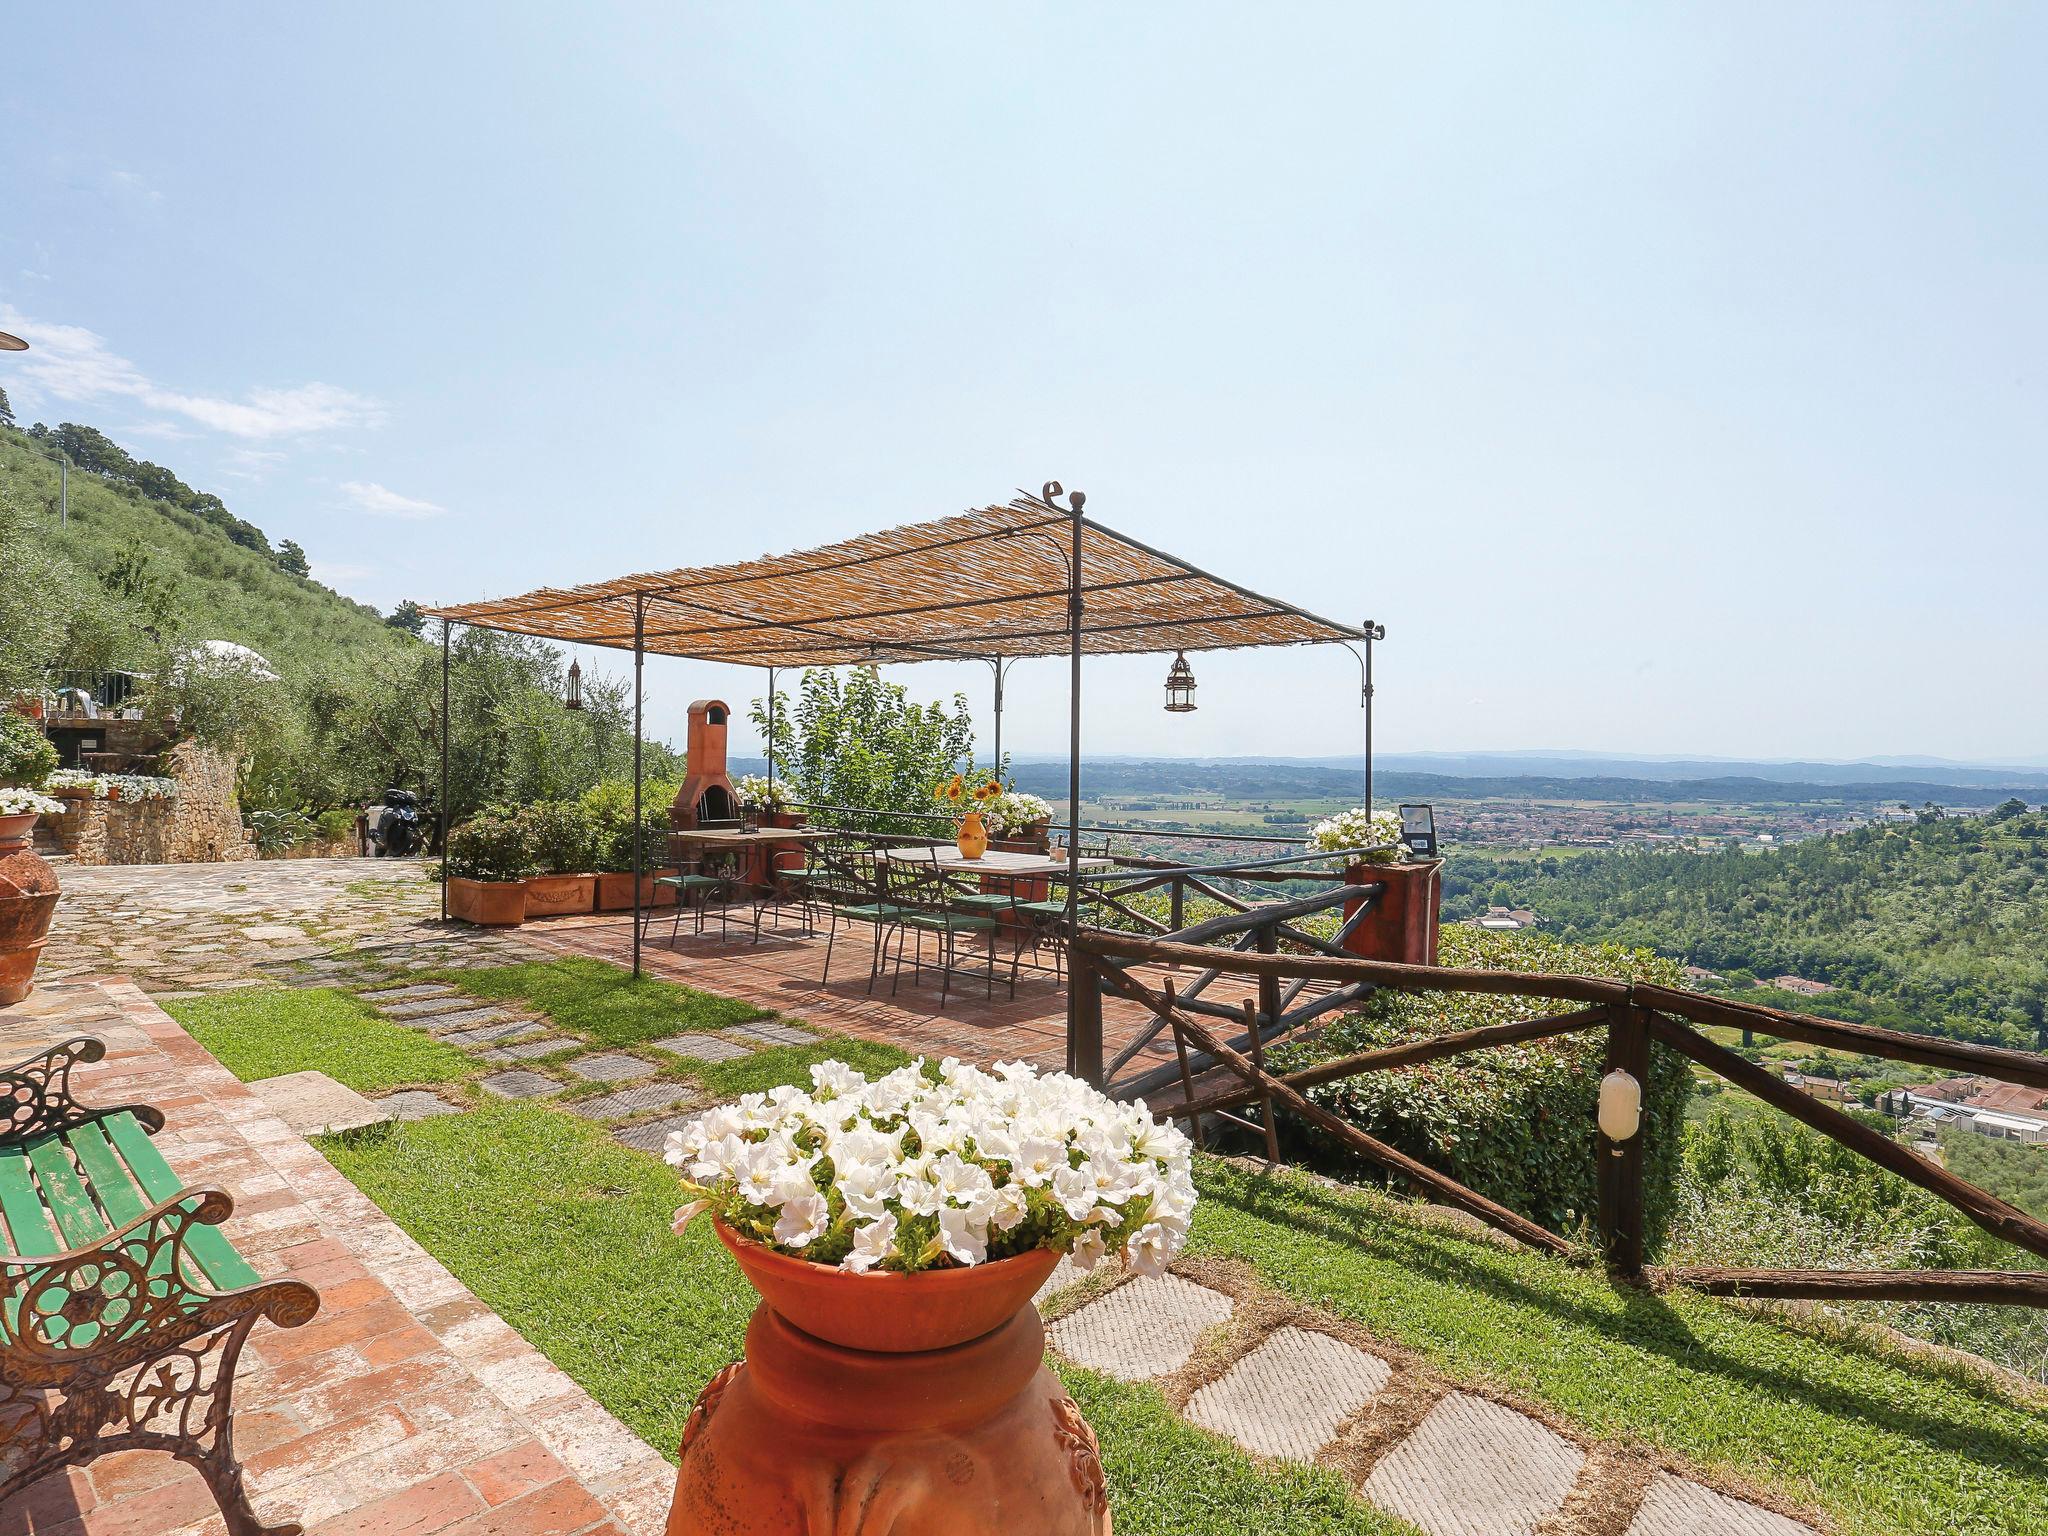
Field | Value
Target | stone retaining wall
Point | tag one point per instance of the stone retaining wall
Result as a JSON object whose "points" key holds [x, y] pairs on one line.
{"points": [[201, 824]]}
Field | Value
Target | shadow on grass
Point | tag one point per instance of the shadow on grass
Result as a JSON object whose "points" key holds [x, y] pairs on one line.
{"points": [[1644, 1321]]}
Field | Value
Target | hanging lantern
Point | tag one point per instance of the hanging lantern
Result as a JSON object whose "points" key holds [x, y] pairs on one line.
{"points": [[573, 699], [1180, 686]]}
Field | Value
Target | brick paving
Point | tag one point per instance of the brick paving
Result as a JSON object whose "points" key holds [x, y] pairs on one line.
{"points": [[405, 1406]]}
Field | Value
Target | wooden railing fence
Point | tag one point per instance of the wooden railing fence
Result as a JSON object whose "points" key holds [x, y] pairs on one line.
{"points": [[1634, 1016]]}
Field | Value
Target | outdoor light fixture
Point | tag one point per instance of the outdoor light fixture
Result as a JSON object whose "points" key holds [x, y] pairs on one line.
{"points": [[1180, 686], [1418, 830], [1621, 1106], [573, 699]]}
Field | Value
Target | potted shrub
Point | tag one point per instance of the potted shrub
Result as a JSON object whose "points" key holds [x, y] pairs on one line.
{"points": [[28, 890], [559, 834], [1018, 823], [487, 862], [1402, 926], [897, 1231]]}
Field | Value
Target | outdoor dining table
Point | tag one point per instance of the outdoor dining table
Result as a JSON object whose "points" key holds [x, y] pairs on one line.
{"points": [[997, 861]]}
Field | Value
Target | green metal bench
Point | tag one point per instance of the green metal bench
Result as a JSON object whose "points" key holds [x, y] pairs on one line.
{"points": [[123, 1307]]}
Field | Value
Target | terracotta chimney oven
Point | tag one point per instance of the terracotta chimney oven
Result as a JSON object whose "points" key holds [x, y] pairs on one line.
{"points": [[706, 794]]}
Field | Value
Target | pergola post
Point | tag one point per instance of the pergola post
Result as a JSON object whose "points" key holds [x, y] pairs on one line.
{"points": [[1073, 924], [441, 810], [996, 662], [771, 727], [639, 823]]}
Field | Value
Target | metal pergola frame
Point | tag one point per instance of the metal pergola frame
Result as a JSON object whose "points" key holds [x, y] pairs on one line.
{"points": [[951, 556]]}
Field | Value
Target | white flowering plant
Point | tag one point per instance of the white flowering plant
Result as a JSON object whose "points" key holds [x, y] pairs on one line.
{"points": [[756, 793], [940, 1168], [26, 802], [119, 786], [1011, 811], [1378, 832]]}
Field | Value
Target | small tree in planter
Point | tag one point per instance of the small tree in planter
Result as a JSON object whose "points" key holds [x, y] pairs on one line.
{"points": [[563, 841], [489, 858]]}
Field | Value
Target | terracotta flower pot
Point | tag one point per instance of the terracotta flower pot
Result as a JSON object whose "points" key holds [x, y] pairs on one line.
{"points": [[892, 1313], [615, 891], [28, 899], [806, 1435], [973, 838], [488, 903]]}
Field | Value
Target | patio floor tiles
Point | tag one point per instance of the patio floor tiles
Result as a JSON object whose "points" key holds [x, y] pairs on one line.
{"points": [[1287, 1397], [611, 1067], [1144, 1328], [519, 1084], [634, 1101], [1475, 1468], [704, 1047]]}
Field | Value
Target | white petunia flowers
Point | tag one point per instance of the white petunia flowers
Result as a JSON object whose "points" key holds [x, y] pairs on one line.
{"points": [[940, 1166]]}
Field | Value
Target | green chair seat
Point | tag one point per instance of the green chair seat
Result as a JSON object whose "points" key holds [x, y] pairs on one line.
{"points": [[983, 901], [955, 922], [689, 882], [872, 912], [1044, 908]]}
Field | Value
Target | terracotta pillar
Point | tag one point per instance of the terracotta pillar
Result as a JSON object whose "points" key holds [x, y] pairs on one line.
{"points": [[1402, 926]]}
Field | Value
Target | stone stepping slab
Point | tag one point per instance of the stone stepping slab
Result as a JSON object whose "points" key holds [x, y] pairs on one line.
{"points": [[1474, 1468], [1287, 1397], [312, 1103], [611, 1067], [488, 1034], [425, 1004], [772, 1034], [649, 1135], [467, 1018], [1144, 1328], [704, 1047], [527, 1050], [1675, 1507], [633, 1101], [417, 989], [519, 1084], [417, 1104]]}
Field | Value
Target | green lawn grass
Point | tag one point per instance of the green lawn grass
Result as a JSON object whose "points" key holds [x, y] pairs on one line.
{"points": [[1886, 1444], [603, 1001], [265, 1033]]}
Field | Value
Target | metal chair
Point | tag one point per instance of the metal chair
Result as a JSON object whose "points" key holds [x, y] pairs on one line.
{"points": [[922, 890], [841, 877]]}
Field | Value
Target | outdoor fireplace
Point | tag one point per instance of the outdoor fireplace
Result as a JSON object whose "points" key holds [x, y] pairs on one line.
{"points": [[707, 794]]}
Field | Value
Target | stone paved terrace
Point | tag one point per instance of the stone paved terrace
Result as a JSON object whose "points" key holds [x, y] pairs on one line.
{"points": [[405, 1406]]}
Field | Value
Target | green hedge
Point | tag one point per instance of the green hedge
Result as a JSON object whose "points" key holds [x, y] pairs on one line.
{"points": [[1514, 1122]]}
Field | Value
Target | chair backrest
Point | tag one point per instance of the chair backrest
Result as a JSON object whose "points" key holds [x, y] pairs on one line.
{"points": [[915, 882], [842, 868]]}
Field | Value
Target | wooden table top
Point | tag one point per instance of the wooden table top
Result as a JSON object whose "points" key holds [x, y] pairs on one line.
{"points": [[743, 837], [996, 861]]}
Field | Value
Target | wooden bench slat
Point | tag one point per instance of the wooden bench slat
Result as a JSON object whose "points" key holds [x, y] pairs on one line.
{"points": [[209, 1248], [118, 1193], [28, 1226], [64, 1193]]}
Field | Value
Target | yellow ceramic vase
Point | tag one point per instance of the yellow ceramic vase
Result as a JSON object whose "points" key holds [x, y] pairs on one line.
{"points": [[973, 838]]}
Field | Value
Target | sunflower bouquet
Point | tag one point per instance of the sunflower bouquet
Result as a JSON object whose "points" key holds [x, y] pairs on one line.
{"points": [[969, 803]]}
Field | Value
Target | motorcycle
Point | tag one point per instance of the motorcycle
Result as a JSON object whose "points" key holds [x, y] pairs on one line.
{"points": [[393, 830]]}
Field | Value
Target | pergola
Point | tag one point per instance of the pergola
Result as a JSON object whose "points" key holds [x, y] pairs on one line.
{"points": [[997, 584]]}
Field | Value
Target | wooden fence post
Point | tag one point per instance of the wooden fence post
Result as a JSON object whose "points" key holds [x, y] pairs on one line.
{"points": [[1621, 1163], [1084, 1015]]}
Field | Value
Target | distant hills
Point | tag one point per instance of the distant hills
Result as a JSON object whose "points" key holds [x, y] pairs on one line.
{"points": [[1900, 778]]}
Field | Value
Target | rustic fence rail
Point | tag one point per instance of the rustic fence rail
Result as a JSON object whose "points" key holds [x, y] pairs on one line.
{"points": [[1634, 1016]]}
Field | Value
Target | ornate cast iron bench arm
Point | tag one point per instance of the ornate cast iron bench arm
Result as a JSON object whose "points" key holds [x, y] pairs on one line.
{"points": [[36, 1097]]}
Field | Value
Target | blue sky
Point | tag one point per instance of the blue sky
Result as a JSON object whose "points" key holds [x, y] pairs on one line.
{"points": [[1665, 379]]}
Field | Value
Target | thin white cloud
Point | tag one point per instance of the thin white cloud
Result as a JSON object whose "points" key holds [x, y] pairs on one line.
{"points": [[72, 365], [368, 496], [134, 187]]}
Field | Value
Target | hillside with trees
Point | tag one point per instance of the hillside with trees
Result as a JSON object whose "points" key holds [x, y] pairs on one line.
{"points": [[1934, 924], [143, 569]]}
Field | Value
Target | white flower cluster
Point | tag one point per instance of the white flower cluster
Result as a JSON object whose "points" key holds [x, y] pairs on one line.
{"points": [[1378, 831], [102, 786], [755, 793], [930, 1165], [1012, 811], [21, 802]]}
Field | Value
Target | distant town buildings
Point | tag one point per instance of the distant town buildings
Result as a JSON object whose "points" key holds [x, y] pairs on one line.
{"points": [[1800, 985], [2005, 1111], [1506, 919]]}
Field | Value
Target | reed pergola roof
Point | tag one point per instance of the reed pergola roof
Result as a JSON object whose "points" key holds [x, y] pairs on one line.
{"points": [[986, 584]]}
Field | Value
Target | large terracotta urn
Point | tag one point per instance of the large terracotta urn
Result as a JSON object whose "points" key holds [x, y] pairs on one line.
{"points": [[889, 1405], [28, 899]]}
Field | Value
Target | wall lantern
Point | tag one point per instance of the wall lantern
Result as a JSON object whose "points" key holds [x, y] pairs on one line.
{"points": [[1621, 1106], [573, 699], [1180, 686]]}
